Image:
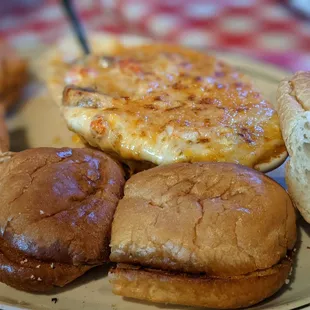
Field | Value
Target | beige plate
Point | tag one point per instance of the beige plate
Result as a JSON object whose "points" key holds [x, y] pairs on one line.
{"points": [[43, 127]]}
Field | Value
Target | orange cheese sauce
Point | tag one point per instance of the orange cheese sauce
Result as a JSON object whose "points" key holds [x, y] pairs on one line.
{"points": [[168, 104]]}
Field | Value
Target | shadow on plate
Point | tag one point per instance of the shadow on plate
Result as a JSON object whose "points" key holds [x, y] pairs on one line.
{"points": [[302, 307], [18, 140], [305, 226], [94, 274]]}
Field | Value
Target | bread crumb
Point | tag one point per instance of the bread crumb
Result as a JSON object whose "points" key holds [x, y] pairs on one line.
{"points": [[294, 250], [39, 279], [24, 261], [32, 277], [38, 266], [287, 281], [52, 265], [291, 271], [41, 212]]}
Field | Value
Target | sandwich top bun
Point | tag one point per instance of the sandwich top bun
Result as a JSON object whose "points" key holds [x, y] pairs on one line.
{"points": [[56, 209], [214, 218], [293, 105]]}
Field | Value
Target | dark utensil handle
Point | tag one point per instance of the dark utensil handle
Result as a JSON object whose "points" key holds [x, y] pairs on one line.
{"points": [[76, 25]]}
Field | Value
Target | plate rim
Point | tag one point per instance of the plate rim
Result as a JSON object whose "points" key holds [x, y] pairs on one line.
{"points": [[240, 61]]}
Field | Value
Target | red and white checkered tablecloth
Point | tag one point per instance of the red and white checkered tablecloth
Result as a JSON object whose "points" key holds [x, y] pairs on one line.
{"points": [[264, 29]]}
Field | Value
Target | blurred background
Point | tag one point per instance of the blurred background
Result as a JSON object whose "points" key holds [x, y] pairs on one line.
{"points": [[275, 31]]}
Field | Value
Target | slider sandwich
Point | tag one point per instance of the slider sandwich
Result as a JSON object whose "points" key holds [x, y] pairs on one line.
{"points": [[56, 211], [214, 235]]}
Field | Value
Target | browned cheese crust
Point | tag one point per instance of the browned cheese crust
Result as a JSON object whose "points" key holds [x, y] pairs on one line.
{"points": [[166, 104], [56, 210]]}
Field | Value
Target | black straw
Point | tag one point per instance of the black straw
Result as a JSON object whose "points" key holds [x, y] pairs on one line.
{"points": [[76, 25]]}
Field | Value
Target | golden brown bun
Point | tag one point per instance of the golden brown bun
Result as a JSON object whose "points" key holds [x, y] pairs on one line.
{"points": [[293, 105], [216, 218], [56, 207], [201, 291], [4, 136]]}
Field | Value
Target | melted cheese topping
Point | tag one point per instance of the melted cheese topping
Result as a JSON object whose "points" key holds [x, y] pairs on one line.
{"points": [[167, 104]]}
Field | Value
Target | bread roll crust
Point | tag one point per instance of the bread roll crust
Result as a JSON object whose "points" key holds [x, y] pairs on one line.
{"points": [[215, 218], [201, 291], [56, 211], [293, 104]]}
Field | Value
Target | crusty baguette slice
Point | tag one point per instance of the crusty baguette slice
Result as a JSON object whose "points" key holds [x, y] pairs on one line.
{"points": [[293, 106]]}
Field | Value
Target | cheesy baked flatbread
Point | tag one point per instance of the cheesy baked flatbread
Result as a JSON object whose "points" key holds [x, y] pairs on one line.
{"points": [[163, 104]]}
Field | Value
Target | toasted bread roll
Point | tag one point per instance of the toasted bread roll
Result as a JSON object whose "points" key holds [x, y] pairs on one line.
{"points": [[56, 211], [205, 234], [293, 105]]}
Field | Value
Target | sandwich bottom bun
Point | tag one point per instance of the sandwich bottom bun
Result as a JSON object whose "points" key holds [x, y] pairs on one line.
{"points": [[195, 290], [56, 213], [32, 275]]}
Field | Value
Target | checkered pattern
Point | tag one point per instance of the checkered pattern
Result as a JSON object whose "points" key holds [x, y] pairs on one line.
{"points": [[265, 29]]}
